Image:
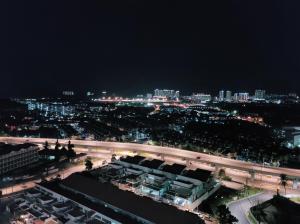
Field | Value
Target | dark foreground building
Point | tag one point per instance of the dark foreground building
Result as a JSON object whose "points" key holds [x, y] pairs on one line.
{"points": [[16, 156], [278, 210], [112, 205]]}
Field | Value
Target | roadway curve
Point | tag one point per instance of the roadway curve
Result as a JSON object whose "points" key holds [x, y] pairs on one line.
{"points": [[166, 152]]}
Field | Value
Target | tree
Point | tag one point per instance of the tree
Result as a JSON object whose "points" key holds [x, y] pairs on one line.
{"points": [[63, 149], [283, 181], [222, 173], [46, 145], [113, 157], [71, 152], [225, 216], [88, 164], [57, 145], [70, 146]]}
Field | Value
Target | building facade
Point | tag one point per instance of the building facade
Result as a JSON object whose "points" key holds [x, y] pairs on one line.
{"points": [[17, 156]]}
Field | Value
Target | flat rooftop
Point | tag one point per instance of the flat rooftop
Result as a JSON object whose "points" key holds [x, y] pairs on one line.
{"points": [[57, 188], [174, 169], [133, 160], [152, 164], [198, 174], [128, 202], [8, 148]]}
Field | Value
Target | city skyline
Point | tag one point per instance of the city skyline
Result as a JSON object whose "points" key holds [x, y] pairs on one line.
{"points": [[95, 93], [145, 112]]}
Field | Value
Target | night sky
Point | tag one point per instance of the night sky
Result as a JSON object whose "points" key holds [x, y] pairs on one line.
{"points": [[130, 47]]}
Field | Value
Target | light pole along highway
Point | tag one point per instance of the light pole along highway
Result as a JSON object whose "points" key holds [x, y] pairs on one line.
{"points": [[241, 168]]}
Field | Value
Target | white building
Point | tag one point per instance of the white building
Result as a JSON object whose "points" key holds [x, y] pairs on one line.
{"points": [[243, 97], [68, 93], [167, 93], [221, 95], [201, 98], [260, 94], [228, 96]]}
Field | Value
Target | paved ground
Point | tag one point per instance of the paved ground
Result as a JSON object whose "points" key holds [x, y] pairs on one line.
{"points": [[240, 208], [4, 216]]}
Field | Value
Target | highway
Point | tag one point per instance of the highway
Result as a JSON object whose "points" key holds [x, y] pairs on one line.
{"points": [[240, 169], [164, 152]]}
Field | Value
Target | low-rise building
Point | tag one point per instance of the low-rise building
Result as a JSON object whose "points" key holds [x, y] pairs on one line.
{"points": [[81, 198], [172, 184], [13, 157]]}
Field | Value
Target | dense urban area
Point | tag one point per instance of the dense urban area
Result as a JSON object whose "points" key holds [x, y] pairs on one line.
{"points": [[50, 182], [258, 130]]}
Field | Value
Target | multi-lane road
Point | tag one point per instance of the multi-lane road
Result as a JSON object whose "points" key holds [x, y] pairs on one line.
{"points": [[240, 209], [239, 169]]}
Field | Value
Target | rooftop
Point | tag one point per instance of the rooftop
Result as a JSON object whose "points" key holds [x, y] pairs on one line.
{"points": [[152, 164], [133, 160], [174, 169], [8, 148], [56, 187], [76, 213], [198, 174], [129, 202]]}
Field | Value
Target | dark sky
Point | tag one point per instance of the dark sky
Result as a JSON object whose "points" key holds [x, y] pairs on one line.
{"points": [[131, 47]]}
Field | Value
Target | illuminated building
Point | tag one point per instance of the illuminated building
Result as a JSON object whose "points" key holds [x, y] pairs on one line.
{"points": [[292, 135], [201, 98], [221, 95], [260, 94], [228, 96], [236, 97], [68, 93], [149, 96], [90, 94], [243, 97], [171, 94]]}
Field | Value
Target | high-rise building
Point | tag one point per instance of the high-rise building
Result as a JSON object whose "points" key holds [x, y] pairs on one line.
{"points": [[201, 98], [221, 95], [243, 97], [236, 97], [68, 93], [149, 96], [260, 94], [177, 94], [168, 93], [228, 96]]}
